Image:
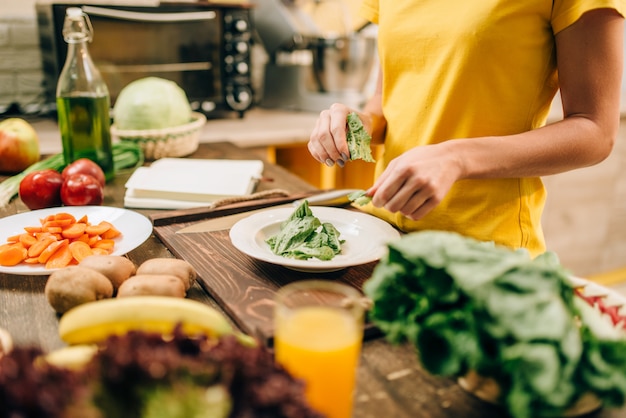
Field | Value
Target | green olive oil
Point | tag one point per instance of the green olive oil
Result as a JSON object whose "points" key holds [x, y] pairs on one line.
{"points": [[83, 100], [84, 123]]}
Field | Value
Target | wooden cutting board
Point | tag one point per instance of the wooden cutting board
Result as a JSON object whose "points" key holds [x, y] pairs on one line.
{"points": [[244, 287]]}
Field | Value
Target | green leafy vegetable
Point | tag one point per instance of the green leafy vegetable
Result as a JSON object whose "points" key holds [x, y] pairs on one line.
{"points": [[358, 140], [303, 236], [359, 197], [126, 154], [474, 306]]}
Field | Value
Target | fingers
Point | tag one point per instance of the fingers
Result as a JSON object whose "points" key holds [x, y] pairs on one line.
{"points": [[327, 143], [412, 196]]}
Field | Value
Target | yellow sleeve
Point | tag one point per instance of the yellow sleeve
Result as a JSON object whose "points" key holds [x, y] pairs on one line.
{"points": [[566, 12], [369, 10]]}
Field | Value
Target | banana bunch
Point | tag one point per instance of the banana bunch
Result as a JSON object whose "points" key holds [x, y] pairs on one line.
{"points": [[93, 322]]}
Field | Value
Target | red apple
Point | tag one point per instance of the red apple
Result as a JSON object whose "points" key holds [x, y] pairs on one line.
{"points": [[41, 189], [81, 189], [19, 145], [84, 166]]}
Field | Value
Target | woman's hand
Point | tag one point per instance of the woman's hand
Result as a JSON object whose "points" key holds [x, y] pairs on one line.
{"points": [[328, 143], [415, 182]]}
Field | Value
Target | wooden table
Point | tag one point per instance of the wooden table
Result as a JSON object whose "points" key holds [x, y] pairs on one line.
{"points": [[391, 382]]}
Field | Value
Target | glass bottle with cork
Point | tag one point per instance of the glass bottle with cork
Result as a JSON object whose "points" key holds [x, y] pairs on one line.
{"points": [[83, 101]]}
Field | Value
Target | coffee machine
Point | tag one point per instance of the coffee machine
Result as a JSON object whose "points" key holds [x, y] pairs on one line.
{"points": [[316, 55]]}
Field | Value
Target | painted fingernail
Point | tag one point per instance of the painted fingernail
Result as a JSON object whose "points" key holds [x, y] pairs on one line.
{"points": [[345, 157], [329, 162], [340, 163]]}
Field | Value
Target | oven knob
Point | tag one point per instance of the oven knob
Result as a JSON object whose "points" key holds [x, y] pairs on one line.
{"points": [[241, 25], [243, 96], [242, 68], [241, 47], [208, 106], [229, 60], [239, 98]]}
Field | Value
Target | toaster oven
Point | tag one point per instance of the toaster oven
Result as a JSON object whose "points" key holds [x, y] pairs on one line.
{"points": [[204, 47]]}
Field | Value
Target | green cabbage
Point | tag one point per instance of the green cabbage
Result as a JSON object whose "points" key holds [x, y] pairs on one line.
{"points": [[151, 103]]}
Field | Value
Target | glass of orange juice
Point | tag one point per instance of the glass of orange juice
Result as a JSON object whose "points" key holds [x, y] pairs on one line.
{"points": [[317, 338]]}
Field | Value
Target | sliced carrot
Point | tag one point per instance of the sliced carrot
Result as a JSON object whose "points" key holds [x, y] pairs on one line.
{"points": [[27, 240], [98, 229], [40, 235], [60, 240], [32, 229], [74, 231], [61, 258], [58, 223], [53, 229], [111, 233], [62, 216], [14, 238], [51, 249], [37, 248], [92, 240], [100, 251], [84, 238], [106, 244], [12, 255], [80, 250]]}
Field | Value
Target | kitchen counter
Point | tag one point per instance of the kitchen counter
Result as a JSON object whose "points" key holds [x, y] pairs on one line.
{"points": [[258, 128], [390, 379], [584, 220]]}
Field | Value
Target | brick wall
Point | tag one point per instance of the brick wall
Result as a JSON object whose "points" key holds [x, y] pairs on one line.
{"points": [[21, 74]]}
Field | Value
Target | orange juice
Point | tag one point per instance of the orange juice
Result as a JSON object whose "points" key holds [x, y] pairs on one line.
{"points": [[321, 345]]}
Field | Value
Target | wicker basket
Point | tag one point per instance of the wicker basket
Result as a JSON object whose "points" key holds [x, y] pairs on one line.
{"points": [[178, 141]]}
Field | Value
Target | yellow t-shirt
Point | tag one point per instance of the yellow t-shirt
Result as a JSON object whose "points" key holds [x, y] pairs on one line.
{"points": [[457, 69]]}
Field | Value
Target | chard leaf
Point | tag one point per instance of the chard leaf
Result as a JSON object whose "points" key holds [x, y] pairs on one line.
{"points": [[469, 305], [332, 235], [303, 236], [358, 139], [359, 197], [294, 233]]}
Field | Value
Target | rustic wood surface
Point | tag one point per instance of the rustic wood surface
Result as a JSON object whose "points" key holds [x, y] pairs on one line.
{"points": [[244, 287], [391, 382]]}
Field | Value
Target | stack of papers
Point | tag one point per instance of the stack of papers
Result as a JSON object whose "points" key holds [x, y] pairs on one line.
{"points": [[182, 183]]}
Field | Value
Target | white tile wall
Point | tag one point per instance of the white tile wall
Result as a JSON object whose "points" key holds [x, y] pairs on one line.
{"points": [[21, 74]]}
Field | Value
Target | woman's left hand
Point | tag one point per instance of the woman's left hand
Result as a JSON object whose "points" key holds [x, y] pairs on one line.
{"points": [[416, 181]]}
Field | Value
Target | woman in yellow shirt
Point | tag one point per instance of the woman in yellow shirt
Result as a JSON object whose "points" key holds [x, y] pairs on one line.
{"points": [[462, 100]]}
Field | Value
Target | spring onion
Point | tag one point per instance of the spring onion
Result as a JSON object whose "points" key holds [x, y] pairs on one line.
{"points": [[126, 154]]}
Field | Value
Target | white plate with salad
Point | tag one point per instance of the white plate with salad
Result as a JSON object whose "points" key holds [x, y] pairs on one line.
{"points": [[135, 229], [364, 237]]}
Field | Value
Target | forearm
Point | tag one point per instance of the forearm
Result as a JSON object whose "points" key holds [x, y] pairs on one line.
{"points": [[572, 143]]}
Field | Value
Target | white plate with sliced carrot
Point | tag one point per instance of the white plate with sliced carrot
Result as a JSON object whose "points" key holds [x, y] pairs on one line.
{"points": [[41, 241]]}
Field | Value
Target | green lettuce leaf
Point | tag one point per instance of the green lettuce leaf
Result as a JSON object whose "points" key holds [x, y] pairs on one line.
{"points": [[358, 139]]}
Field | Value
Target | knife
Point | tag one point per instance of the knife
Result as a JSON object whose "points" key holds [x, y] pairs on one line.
{"points": [[332, 198]]}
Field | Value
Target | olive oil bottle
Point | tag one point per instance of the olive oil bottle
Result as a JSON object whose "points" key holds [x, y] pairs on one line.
{"points": [[83, 102]]}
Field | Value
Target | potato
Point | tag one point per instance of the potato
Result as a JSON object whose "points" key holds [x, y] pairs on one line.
{"points": [[152, 285], [116, 267], [174, 266], [75, 285]]}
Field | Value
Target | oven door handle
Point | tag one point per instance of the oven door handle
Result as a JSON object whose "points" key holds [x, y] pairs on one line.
{"points": [[148, 17]]}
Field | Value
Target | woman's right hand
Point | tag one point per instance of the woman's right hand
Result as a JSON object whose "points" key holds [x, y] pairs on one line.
{"points": [[328, 143]]}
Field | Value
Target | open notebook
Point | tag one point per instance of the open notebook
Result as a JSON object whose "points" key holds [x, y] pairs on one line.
{"points": [[181, 183]]}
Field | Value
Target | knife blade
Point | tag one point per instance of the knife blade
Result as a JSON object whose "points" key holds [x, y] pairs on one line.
{"points": [[332, 198]]}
